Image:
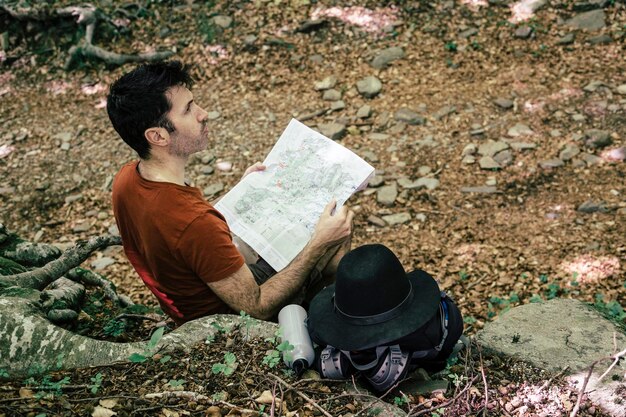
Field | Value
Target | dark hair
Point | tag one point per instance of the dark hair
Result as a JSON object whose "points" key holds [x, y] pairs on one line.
{"points": [[137, 101]]}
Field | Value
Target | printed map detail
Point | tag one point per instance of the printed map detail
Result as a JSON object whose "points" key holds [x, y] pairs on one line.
{"points": [[275, 211]]}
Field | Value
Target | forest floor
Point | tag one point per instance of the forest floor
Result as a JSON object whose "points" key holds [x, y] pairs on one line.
{"points": [[545, 100]]}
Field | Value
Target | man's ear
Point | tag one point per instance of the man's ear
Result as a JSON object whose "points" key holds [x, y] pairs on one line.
{"points": [[157, 136]]}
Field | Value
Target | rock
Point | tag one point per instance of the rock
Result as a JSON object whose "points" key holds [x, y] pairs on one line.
{"points": [[213, 115], [370, 156], [398, 218], [364, 112], [578, 118], [63, 136], [33, 254], [590, 159], [222, 21], [523, 32], [408, 116], [519, 129], [590, 206], [387, 195], [369, 87], [334, 131], [427, 182], [468, 33], [444, 111], [326, 83], [101, 263], [593, 86], [487, 162], [600, 39], [386, 56], [583, 6], [621, 89], [337, 105], [378, 136], [331, 95], [405, 182], [81, 226], [249, 40], [504, 158], [569, 152], [504, 103], [592, 20], [311, 26], [574, 336], [595, 138], [491, 181], [522, 146], [376, 221], [492, 147], [468, 159], [213, 189], [376, 181], [568, 39], [72, 198], [551, 163], [424, 170], [480, 189]]}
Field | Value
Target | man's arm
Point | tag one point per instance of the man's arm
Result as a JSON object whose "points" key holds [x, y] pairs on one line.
{"points": [[241, 292]]}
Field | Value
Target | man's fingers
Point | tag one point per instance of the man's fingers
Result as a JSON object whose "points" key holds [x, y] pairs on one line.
{"points": [[330, 207]]}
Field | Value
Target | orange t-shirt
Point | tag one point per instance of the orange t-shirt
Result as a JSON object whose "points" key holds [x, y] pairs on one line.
{"points": [[176, 241]]}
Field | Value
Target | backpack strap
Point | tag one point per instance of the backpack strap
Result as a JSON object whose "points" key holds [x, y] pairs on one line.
{"points": [[390, 370], [330, 364]]}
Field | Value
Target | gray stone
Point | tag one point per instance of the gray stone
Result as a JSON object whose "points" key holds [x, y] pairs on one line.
{"points": [[492, 147], [222, 21], [568, 39], [594, 85], [72, 198], [551, 163], [334, 131], [468, 159], [81, 226], [376, 221], [378, 136], [331, 95], [207, 170], [522, 146], [337, 105], [364, 112], [578, 117], [621, 89], [424, 170], [369, 87], [376, 181], [213, 115], [249, 40], [65, 146], [405, 182], [523, 32], [326, 83], [519, 129], [386, 56], [398, 218], [101, 263], [387, 195], [600, 39], [427, 182], [370, 156], [480, 190], [420, 217], [569, 152], [590, 159], [468, 33], [444, 111], [595, 138], [504, 158], [572, 335], [63, 136], [592, 20], [213, 189], [408, 116], [487, 162], [591, 206], [503, 103]]}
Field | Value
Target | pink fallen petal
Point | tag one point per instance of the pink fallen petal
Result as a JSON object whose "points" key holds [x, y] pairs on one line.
{"points": [[374, 21], [587, 268], [5, 150], [101, 104], [475, 4], [224, 166], [90, 89], [614, 155]]}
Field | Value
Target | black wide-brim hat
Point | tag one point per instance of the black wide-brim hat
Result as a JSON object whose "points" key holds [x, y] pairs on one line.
{"points": [[373, 301]]}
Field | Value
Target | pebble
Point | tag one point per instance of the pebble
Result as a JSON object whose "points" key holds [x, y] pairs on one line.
{"points": [[369, 87], [567, 39], [326, 84], [376, 221], [408, 116], [334, 131], [592, 20], [427, 182], [468, 33], [364, 112], [590, 206], [224, 166], [578, 117], [444, 111], [212, 115], [376, 181], [337, 105], [522, 146], [600, 39], [387, 194], [222, 21], [593, 86], [370, 156], [504, 103], [491, 181], [504, 158], [519, 129], [596, 138], [621, 89], [72, 198], [480, 189], [468, 159], [398, 218], [331, 95], [386, 56], [487, 162], [492, 147], [379, 136], [551, 163], [523, 32], [213, 189], [424, 170], [81, 226], [102, 263], [420, 217], [590, 159], [569, 152]]}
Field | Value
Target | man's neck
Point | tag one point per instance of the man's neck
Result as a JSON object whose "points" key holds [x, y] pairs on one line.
{"points": [[168, 169]]}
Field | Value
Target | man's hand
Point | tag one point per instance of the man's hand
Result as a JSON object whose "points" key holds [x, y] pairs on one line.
{"points": [[256, 167], [333, 229]]}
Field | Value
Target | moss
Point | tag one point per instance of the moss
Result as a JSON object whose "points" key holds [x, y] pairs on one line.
{"points": [[9, 267], [27, 293]]}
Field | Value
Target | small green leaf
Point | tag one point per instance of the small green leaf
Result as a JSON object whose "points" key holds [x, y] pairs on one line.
{"points": [[156, 337], [137, 358]]}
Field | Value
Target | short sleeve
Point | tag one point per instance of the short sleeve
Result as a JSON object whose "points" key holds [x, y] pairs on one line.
{"points": [[207, 248]]}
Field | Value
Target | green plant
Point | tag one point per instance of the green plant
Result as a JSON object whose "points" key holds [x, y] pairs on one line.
{"points": [[3, 373], [150, 347], [463, 275], [469, 320], [536, 299], [96, 383], [271, 358], [114, 328], [176, 383], [400, 401], [543, 278], [226, 368], [248, 322], [206, 27], [450, 46], [475, 45], [51, 388], [611, 310]]}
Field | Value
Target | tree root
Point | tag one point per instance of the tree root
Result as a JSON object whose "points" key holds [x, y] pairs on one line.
{"points": [[62, 300], [89, 278], [42, 277]]}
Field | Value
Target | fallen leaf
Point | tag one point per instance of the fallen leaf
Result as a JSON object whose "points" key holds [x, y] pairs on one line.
{"points": [[266, 397], [102, 412], [26, 393], [108, 403]]}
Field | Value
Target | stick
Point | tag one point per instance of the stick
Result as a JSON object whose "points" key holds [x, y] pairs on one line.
{"points": [[447, 403], [301, 395]]}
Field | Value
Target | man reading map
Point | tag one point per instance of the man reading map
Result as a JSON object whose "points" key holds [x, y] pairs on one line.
{"points": [[178, 243]]}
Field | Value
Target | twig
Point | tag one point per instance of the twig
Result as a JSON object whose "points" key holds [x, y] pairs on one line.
{"points": [[301, 395], [616, 359], [549, 381], [447, 403], [482, 371]]}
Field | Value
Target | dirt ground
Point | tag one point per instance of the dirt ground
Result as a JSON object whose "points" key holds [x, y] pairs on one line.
{"points": [[490, 250]]}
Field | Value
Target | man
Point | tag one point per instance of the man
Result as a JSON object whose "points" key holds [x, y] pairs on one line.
{"points": [[178, 243]]}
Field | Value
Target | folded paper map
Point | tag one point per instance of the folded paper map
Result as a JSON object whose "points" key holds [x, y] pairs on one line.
{"points": [[275, 211]]}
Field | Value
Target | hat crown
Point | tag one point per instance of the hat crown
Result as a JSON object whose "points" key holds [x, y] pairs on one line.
{"points": [[370, 281]]}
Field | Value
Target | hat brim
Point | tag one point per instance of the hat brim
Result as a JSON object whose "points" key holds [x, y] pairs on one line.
{"points": [[331, 328]]}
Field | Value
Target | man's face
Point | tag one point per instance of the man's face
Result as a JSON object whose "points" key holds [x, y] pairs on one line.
{"points": [[189, 120]]}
